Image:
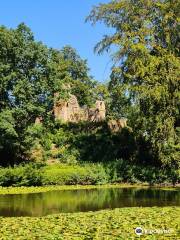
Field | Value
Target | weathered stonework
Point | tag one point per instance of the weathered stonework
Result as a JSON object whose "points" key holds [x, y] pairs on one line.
{"points": [[38, 120], [117, 125], [70, 111]]}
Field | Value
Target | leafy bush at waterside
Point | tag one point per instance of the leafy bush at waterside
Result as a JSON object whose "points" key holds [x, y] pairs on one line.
{"points": [[75, 174], [87, 174], [28, 175], [60, 174], [123, 171]]}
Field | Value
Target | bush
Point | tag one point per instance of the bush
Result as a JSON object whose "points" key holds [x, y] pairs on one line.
{"points": [[122, 171], [87, 174], [59, 174], [62, 174], [27, 175]]}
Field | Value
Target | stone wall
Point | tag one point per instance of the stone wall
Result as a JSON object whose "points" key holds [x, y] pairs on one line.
{"points": [[117, 125], [70, 111]]}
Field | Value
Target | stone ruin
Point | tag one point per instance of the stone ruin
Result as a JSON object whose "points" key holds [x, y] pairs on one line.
{"points": [[116, 125], [70, 111]]}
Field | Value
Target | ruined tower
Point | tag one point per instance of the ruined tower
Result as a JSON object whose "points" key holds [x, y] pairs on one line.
{"points": [[70, 111], [100, 106]]}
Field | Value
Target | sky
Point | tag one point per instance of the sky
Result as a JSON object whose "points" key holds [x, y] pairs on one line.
{"points": [[58, 23]]}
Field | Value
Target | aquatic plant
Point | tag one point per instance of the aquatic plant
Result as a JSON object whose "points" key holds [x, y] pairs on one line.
{"points": [[106, 224]]}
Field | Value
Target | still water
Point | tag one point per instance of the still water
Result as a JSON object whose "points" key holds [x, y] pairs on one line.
{"points": [[41, 204]]}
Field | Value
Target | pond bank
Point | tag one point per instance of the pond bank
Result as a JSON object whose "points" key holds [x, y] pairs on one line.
{"points": [[25, 190]]}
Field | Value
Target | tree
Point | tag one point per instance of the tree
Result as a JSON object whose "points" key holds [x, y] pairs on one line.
{"points": [[30, 75], [82, 85], [28, 79], [147, 67]]}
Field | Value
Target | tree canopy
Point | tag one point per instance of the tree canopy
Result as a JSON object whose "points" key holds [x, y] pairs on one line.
{"points": [[147, 67], [30, 74], [144, 87]]}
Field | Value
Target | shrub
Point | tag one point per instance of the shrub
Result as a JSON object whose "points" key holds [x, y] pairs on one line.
{"points": [[62, 174], [6, 177], [27, 175], [86, 174], [123, 171]]}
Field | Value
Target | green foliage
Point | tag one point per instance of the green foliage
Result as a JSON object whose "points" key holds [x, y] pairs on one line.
{"points": [[37, 175], [83, 142], [30, 75], [144, 88], [146, 69], [123, 171], [8, 135], [82, 85], [87, 174], [23, 80], [28, 175], [117, 223], [87, 139], [71, 175]]}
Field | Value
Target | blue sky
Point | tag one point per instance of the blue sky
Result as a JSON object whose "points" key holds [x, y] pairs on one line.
{"points": [[57, 23]]}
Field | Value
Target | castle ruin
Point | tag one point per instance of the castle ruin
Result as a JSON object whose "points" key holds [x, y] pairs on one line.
{"points": [[70, 111]]}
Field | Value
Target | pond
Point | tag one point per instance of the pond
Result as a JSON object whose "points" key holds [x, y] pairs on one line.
{"points": [[82, 200]]}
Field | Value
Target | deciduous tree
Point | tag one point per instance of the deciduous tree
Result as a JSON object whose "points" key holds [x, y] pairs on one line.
{"points": [[147, 66]]}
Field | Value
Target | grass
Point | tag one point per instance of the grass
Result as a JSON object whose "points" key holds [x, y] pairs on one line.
{"points": [[105, 224]]}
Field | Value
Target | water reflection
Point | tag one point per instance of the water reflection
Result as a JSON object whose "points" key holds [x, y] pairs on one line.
{"points": [[40, 204]]}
